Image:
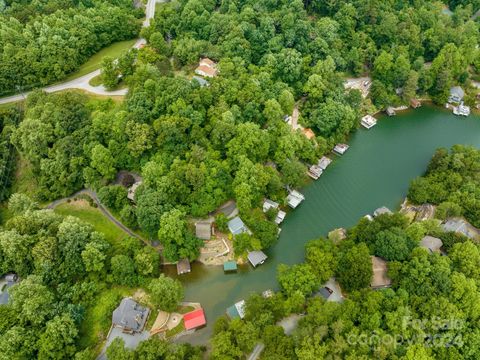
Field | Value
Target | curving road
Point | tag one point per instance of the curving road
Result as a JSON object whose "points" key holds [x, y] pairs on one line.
{"points": [[82, 83], [92, 194]]}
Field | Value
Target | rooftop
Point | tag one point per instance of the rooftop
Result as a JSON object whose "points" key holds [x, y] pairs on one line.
{"points": [[236, 226], [230, 266], [269, 204], [130, 316], [324, 162], [256, 258], [194, 319], [183, 267], [206, 71], [431, 243], [203, 230], [382, 210]]}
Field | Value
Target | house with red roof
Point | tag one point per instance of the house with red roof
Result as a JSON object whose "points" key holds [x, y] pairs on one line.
{"points": [[194, 319]]}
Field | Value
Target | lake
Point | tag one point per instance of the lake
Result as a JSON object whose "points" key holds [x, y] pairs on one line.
{"points": [[375, 171]]}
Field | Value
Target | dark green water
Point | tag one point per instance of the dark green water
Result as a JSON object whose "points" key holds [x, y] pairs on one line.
{"points": [[376, 171]]}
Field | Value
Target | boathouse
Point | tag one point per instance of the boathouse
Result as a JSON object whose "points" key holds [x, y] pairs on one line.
{"points": [[324, 162], [390, 111], [256, 258], [294, 199], [414, 103], [183, 267], [194, 319], [341, 149], [382, 210], [368, 121], [314, 172]]}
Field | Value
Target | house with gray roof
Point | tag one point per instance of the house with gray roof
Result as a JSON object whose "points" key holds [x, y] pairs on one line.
{"points": [[130, 316], [456, 94], [203, 230], [236, 226], [256, 258]]}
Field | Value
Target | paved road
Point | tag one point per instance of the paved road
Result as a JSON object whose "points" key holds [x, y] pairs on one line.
{"points": [[82, 83], [256, 352], [104, 210]]}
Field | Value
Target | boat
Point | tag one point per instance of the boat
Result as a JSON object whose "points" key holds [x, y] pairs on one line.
{"points": [[341, 149]]}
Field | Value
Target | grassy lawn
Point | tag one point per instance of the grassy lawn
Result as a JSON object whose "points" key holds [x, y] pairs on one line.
{"points": [[176, 330], [94, 62], [185, 309], [87, 213], [98, 317], [25, 181]]}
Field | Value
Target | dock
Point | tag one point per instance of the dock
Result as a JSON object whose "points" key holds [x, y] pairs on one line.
{"points": [[294, 199], [390, 111], [368, 121], [341, 149], [314, 172], [461, 110], [324, 162]]}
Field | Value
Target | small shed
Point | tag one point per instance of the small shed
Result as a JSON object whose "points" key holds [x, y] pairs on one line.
{"points": [[229, 266], [256, 258], [236, 226], [194, 319], [203, 230], [130, 316], [183, 267], [379, 278], [431, 243]]}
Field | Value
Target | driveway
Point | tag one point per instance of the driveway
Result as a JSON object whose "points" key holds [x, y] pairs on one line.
{"points": [[131, 340], [82, 83]]}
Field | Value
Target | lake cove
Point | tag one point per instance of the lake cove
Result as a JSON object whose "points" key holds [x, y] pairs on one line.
{"points": [[376, 171]]}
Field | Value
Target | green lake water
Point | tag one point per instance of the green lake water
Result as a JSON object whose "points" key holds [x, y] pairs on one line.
{"points": [[376, 171]]}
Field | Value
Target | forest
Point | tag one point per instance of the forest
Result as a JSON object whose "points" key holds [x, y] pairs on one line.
{"points": [[435, 320], [196, 147], [42, 41]]}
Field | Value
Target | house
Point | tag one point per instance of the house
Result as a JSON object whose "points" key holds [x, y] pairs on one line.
{"points": [[414, 103], [236, 226], [194, 319], [237, 310], [390, 111], [331, 291], [309, 134], [130, 316], [379, 278], [229, 266], [341, 149], [256, 258], [294, 199], [183, 267], [382, 210], [456, 94], [132, 189], [206, 68], [203, 230], [324, 162], [201, 81], [462, 227], [368, 121], [432, 244]]}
